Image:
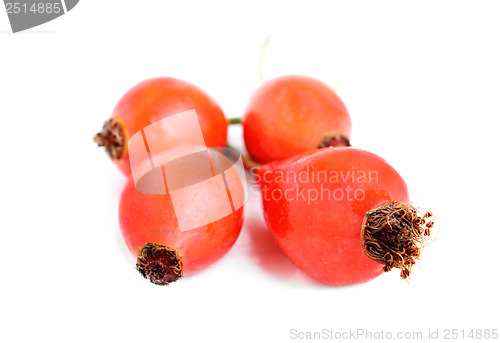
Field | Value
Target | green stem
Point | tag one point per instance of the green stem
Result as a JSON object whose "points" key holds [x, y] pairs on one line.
{"points": [[261, 58], [233, 121]]}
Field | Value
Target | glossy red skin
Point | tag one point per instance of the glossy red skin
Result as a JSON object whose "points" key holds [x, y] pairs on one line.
{"points": [[146, 218], [290, 115], [322, 237], [155, 99]]}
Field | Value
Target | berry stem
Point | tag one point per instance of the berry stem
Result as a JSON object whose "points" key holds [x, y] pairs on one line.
{"points": [[113, 137], [159, 263], [233, 121], [393, 234], [261, 57]]}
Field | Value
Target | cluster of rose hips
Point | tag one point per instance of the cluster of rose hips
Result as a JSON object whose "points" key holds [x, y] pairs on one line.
{"points": [[340, 214]]}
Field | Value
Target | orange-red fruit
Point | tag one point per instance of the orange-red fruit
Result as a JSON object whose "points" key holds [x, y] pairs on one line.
{"points": [[150, 218], [314, 205], [155, 99], [290, 115]]}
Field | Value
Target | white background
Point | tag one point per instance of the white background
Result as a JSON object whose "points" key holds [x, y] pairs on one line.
{"points": [[421, 81]]}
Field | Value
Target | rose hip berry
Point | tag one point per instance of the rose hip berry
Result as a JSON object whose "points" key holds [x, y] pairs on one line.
{"points": [[150, 229], [342, 215], [155, 99], [291, 115], [154, 225]]}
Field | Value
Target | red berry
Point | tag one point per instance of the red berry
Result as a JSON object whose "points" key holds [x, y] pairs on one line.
{"points": [[291, 115], [341, 215], [150, 223], [155, 99]]}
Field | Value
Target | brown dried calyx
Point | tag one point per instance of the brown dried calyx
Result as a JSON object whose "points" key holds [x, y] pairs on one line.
{"points": [[393, 235], [159, 263], [333, 140], [113, 137]]}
